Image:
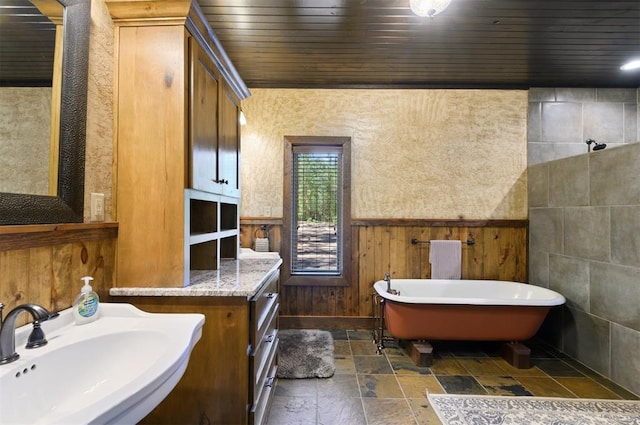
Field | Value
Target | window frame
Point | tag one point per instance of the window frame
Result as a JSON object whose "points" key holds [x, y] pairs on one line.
{"points": [[344, 278]]}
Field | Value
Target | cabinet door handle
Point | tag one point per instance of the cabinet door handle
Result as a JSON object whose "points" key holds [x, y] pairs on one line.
{"points": [[271, 295], [221, 181], [269, 338], [269, 381]]}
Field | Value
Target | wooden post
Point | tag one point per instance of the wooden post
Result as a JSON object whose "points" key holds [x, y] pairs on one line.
{"points": [[518, 355], [421, 353]]}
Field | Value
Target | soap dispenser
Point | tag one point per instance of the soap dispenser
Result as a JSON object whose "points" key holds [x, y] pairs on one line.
{"points": [[85, 306]]}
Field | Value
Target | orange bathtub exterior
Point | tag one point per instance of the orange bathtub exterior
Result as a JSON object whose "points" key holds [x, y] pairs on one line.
{"points": [[451, 322]]}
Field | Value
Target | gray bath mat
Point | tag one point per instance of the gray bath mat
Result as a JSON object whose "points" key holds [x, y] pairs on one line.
{"points": [[305, 353]]}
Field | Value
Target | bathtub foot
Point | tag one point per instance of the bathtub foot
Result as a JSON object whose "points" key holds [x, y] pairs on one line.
{"points": [[421, 353], [518, 355]]}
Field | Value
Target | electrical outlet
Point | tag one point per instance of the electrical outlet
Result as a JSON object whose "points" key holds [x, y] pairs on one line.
{"points": [[97, 207]]}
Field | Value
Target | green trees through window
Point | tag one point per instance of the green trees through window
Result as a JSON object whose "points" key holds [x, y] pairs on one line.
{"points": [[316, 236], [317, 178]]}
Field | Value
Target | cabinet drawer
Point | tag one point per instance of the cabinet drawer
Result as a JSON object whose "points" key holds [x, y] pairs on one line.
{"points": [[260, 409], [262, 378], [267, 328], [263, 357], [261, 309]]}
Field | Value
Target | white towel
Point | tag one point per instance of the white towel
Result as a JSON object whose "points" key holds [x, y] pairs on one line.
{"points": [[262, 245], [446, 259]]}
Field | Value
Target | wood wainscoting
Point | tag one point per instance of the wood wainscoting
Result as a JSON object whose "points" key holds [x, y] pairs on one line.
{"points": [[499, 251], [43, 263]]}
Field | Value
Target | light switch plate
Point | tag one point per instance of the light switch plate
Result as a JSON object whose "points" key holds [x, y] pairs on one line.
{"points": [[97, 207]]}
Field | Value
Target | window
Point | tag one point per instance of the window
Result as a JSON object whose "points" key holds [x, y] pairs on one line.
{"points": [[316, 234], [316, 231]]}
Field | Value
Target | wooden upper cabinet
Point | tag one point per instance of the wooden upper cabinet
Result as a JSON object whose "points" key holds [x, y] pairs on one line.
{"points": [[229, 145], [214, 137], [175, 140], [203, 120], [151, 155]]}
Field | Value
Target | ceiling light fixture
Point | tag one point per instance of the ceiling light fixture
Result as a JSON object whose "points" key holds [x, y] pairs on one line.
{"points": [[631, 65], [428, 8]]}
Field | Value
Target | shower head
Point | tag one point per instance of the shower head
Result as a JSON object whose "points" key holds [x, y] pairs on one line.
{"points": [[596, 146]]}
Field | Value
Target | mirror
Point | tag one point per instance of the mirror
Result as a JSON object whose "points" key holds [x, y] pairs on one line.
{"points": [[68, 205], [28, 35]]}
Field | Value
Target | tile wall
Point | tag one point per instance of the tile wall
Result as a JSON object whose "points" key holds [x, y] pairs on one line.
{"points": [[562, 119], [584, 227]]}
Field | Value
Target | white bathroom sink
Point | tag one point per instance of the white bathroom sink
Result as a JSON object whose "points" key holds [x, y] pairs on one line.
{"points": [[114, 370]]}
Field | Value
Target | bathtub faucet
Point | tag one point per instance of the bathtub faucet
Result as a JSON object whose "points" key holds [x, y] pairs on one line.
{"points": [[387, 278]]}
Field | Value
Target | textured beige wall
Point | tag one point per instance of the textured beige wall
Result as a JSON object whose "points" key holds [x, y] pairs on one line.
{"points": [[99, 150], [25, 123], [415, 153]]}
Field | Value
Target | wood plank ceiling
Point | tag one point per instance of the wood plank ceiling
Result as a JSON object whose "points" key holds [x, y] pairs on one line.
{"points": [[473, 43], [27, 43], [380, 43]]}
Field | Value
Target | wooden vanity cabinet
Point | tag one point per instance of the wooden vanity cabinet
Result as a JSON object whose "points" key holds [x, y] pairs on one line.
{"points": [[230, 378]]}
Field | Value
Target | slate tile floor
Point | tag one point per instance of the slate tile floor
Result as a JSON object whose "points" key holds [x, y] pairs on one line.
{"points": [[368, 389]]}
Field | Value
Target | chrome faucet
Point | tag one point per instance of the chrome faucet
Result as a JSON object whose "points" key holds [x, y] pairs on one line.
{"points": [[8, 330]]}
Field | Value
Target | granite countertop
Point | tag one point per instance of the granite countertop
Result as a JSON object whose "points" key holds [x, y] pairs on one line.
{"points": [[234, 278]]}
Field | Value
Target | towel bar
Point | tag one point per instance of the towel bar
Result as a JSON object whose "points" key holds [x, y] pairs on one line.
{"points": [[469, 241]]}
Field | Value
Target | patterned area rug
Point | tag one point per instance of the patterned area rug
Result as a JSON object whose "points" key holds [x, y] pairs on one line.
{"points": [[475, 410], [305, 353]]}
